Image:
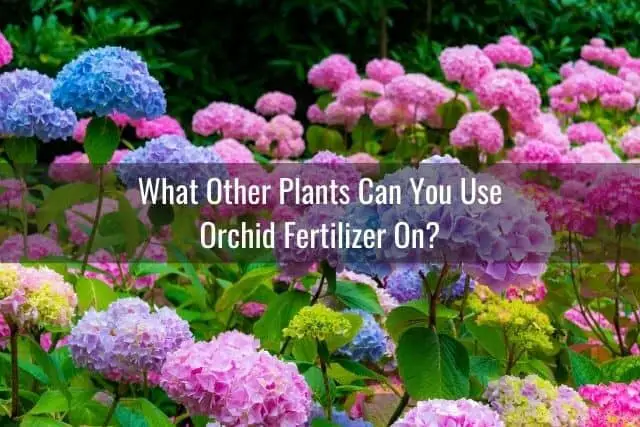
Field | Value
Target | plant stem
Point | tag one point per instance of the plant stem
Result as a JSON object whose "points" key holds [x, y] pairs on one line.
{"points": [[435, 296], [327, 388], [96, 220], [25, 220], [112, 408], [15, 380], [616, 314], [404, 401], [463, 305]]}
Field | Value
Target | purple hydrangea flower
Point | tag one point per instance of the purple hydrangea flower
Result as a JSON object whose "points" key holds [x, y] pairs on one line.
{"points": [[26, 109], [108, 80], [127, 340], [369, 344], [404, 283], [450, 413]]}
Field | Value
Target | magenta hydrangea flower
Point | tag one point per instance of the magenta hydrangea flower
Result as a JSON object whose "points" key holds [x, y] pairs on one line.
{"points": [[331, 72], [5, 333], [127, 340], [536, 152], [282, 138], [630, 142], [228, 120], [509, 50], [612, 405], [11, 192], [466, 65], [274, 103], [478, 129], [230, 380], [383, 70], [38, 246], [6, 52], [615, 198], [584, 132], [450, 413], [252, 309], [154, 128], [360, 93]]}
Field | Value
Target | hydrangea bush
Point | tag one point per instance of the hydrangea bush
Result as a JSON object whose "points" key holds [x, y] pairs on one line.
{"points": [[523, 313]]}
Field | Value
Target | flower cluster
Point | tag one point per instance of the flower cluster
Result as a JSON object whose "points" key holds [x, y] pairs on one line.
{"points": [[332, 72], [369, 344], [317, 322], [383, 70], [509, 50], [154, 128], [108, 80], [585, 132], [281, 138], [26, 108], [35, 296], [229, 379], [525, 326], [615, 198], [467, 65], [405, 283], [228, 120], [6, 52], [76, 167], [128, 340], [479, 129], [630, 142], [449, 413], [532, 401], [275, 103], [38, 246], [614, 405]]}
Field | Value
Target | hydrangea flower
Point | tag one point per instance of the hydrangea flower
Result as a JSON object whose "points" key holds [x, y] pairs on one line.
{"points": [[154, 128], [38, 246], [107, 80], [405, 283], [466, 65], [26, 108], [252, 309], [338, 114], [181, 160], [612, 405], [232, 151], [11, 193], [5, 333], [478, 129], [127, 340], [450, 413], [228, 120], [597, 51], [331, 72], [317, 322], [509, 50], [456, 290], [274, 103], [383, 70], [615, 198], [282, 138], [229, 379], [533, 401], [76, 167], [35, 296], [630, 142], [584, 132], [418, 90], [360, 93], [369, 344], [6, 52]]}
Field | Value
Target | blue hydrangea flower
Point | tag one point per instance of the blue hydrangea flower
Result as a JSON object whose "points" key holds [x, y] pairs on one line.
{"points": [[175, 158], [405, 284], [340, 418], [26, 109], [456, 290], [366, 260], [369, 344], [109, 80]]}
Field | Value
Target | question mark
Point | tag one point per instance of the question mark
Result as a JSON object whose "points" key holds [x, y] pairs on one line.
{"points": [[433, 236]]}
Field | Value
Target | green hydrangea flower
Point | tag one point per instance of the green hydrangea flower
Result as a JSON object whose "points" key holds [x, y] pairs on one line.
{"points": [[317, 322], [9, 280]]}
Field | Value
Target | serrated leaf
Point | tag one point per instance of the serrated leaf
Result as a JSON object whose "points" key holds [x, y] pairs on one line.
{"points": [[583, 369]]}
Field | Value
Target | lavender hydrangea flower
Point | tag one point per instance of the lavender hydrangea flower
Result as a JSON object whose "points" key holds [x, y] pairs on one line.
{"points": [[404, 283], [369, 344], [181, 162], [456, 290], [108, 80], [450, 413], [26, 108], [127, 340]]}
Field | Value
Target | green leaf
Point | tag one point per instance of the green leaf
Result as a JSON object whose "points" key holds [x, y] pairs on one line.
{"points": [[403, 318], [245, 287], [363, 132], [305, 350], [61, 199], [485, 368], [161, 215], [583, 369], [625, 370], [31, 421], [358, 369], [130, 225], [489, 338], [43, 359], [128, 418], [93, 293], [21, 151], [451, 112], [320, 138], [31, 369], [101, 141], [357, 295], [279, 313], [432, 365], [151, 413], [335, 342], [324, 100], [321, 422], [51, 401]]}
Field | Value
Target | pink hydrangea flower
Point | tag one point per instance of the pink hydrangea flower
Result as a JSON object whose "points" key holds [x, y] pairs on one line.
{"points": [[5, 333], [274, 103], [11, 192], [534, 293], [252, 309], [418, 90], [38, 246], [331, 72], [582, 133], [232, 151], [383, 70], [6, 52], [612, 405], [76, 167], [365, 163], [630, 142], [360, 93], [450, 413], [387, 113], [340, 115], [316, 115], [282, 138], [592, 152], [229, 120], [615, 198], [478, 129], [163, 125], [230, 380], [509, 50], [623, 101], [597, 51], [536, 152], [466, 65]]}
